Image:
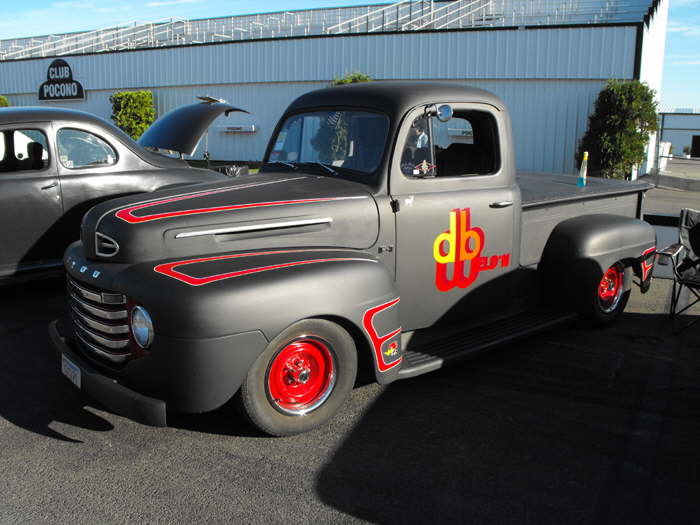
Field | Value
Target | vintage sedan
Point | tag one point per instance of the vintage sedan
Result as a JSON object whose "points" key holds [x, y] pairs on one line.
{"points": [[55, 164]]}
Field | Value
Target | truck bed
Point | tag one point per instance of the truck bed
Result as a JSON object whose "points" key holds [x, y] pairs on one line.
{"points": [[548, 199], [543, 189]]}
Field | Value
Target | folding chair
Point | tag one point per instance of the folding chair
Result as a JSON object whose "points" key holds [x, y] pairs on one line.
{"points": [[685, 256]]}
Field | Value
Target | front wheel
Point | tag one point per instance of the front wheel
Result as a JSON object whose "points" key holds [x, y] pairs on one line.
{"points": [[608, 298], [301, 379]]}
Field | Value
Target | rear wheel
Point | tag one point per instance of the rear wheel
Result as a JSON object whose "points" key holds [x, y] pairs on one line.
{"points": [[609, 298], [301, 379]]}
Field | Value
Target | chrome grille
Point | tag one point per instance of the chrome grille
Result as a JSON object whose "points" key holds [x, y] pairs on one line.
{"points": [[100, 322]]}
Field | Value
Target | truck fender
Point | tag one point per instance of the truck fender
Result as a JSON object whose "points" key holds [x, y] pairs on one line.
{"points": [[270, 291], [579, 251]]}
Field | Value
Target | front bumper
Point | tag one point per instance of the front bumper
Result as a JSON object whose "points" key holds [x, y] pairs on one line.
{"points": [[109, 392]]}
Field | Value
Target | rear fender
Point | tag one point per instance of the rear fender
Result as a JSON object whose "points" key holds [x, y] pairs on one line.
{"points": [[581, 249]]}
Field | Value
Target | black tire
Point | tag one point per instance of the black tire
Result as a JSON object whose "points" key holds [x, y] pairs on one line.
{"points": [[606, 299], [301, 380]]}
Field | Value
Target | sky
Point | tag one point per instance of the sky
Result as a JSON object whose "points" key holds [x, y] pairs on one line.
{"points": [[681, 84]]}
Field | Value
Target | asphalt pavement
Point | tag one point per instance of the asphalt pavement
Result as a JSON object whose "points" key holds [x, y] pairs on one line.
{"points": [[575, 425]]}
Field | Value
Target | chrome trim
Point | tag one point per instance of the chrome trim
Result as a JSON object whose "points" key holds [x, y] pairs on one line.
{"points": [[102, 298], [105, 328], [110, 315], [255, 227], [109, 343], [106, 239], [115, 358]]}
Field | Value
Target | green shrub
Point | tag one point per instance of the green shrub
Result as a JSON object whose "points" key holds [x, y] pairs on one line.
{"points": [[351, 78], [4, 103], [133, 111], [618, 130]]}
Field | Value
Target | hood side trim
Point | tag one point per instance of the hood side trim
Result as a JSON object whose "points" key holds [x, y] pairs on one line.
{"points": [[255, 227]]}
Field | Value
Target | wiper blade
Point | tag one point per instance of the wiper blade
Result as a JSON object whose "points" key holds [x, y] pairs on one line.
{"points": [[327, 167], [288, 164]]}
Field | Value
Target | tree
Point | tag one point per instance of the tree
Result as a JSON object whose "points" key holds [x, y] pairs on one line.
{"points": [[4, 103], [133, 111], [618, 130], [351, 78]]}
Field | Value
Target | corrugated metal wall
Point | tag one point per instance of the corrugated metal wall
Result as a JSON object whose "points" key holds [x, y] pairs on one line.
{"points": [[548, 76]]}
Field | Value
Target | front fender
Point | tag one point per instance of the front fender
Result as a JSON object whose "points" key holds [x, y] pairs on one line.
{"points": [[581, 249], [216, 296]]}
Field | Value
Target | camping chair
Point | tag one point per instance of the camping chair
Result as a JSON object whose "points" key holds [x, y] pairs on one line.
{"points": [[685, 256]]}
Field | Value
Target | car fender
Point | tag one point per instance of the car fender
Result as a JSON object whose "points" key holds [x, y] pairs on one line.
{"points": [[209, 297], [579, 250]]}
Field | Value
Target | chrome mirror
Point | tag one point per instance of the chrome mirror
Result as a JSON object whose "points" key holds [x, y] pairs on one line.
{"points": [[444, 112]]}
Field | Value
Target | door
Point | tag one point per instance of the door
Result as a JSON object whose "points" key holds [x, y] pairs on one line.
{"points": [[30, 199], [695, 146], [456, 221]]}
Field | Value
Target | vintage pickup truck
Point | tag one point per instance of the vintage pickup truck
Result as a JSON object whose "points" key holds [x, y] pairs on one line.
{"points": [[386, 234]]}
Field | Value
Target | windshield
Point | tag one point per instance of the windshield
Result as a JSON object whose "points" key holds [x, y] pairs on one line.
{"points": [[340, 141]]}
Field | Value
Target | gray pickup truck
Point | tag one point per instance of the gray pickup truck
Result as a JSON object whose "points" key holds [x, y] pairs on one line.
{"points": [[386, 234]]}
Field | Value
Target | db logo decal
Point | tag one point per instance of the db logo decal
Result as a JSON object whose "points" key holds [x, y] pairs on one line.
{"points": [[461, 246]]}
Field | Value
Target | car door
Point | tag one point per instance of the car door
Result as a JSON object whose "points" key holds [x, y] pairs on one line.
{"points": [[30, 199], [457, 204]]}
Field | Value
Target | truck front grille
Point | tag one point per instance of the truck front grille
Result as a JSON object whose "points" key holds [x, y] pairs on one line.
{"points": [[100, 323]]}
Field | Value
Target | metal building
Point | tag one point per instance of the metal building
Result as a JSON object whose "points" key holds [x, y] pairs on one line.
{"points": [[548, 59], [682, 129]]}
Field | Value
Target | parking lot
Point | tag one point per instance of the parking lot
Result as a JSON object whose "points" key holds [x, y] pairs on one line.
{"points": [[576, 425]]}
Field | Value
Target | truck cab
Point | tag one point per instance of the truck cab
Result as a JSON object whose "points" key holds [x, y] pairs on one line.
{"points": [[387, 232]]}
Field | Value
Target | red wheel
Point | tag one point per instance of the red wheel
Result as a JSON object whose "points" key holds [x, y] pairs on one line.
{"points": [[604, 300], [301, 376], [610, 288], [301, 379]]}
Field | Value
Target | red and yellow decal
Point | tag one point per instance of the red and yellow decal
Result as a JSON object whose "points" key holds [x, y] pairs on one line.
{"points": [[461, 245], [392, 349], [170, 269], [646, 265]]}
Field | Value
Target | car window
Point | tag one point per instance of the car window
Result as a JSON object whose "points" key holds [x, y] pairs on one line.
{"points": [[80, 149], [350, 141], [465, 145], [23, 150]]}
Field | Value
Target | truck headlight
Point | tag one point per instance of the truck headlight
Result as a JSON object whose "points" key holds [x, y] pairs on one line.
{"points": [[141, 327]]}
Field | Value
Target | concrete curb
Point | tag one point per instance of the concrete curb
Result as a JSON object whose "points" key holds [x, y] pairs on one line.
{"points": [[674, 183]]}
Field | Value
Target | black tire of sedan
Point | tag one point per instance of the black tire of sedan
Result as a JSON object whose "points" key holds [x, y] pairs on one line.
{"points": [[301, 380], [606, 300]]}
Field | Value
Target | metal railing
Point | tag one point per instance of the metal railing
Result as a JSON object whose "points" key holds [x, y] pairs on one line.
{"points": [[406, 15]]}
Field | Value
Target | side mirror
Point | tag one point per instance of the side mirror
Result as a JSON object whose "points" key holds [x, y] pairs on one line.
{"points": [[444, 112]]}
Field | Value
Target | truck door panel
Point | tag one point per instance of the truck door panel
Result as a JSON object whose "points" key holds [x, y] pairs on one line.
{"points": [[455, 234]]}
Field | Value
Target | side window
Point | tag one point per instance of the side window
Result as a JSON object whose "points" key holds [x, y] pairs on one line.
{"points": [[23, 150], [465, 145], [80, 149], [417, 157]]}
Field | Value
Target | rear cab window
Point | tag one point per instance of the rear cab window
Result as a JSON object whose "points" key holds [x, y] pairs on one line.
{"points": [[23, 149]]}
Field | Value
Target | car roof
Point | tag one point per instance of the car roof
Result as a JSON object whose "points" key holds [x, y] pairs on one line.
{"points": [[393, 97], [26, 114]]}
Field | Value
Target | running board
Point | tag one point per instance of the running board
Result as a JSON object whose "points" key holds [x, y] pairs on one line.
{"points": [[430, 357]]}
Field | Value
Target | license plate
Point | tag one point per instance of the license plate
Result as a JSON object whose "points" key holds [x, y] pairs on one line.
{"points": [[70, 370]]}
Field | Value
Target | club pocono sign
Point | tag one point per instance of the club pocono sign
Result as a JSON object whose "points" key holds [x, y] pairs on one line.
{"points": [[459, 248], [59, 83]]}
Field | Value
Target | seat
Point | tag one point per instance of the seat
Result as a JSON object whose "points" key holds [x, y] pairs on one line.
{"points": [[464, 159], [35, 151], [685, 257]]}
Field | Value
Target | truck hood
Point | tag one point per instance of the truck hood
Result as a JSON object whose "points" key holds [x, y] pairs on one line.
{"points": [[267, 211], [182, 128]]}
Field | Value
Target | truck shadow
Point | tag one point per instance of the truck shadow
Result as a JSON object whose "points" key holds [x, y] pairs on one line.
{"points": [[33, 394], [573, 425]]}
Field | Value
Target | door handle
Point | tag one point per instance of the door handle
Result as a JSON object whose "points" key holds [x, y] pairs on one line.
{"points": [[501, 204], [49, 186]]}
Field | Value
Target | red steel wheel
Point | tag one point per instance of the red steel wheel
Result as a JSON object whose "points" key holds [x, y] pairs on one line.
{"points": [[301, 376], [610, 288]]}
